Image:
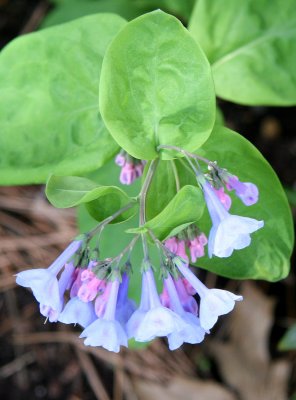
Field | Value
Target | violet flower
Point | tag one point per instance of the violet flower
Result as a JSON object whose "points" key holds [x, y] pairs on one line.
{"points": [[246, 191], [125, 307], [229, 232], [213, 302]]}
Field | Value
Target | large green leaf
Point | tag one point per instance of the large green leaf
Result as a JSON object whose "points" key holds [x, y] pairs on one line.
{"points": [[49, 118], [156, 87], [268, 255], [100, 201], [251, 45]]}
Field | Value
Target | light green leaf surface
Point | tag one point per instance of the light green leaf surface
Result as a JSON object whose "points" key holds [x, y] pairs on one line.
{"points": [[184, 209], [49, 118], [268, 256], [156, 87], [101, 201], [252, 48], [288, 341]]}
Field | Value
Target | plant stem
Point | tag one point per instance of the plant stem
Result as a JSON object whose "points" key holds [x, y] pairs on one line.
{"points": [[106, 221], [192, 155], [176, 175], [143, 194], [128, 248]]}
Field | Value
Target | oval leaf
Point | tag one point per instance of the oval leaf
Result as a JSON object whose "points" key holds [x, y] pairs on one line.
{"points": [[101, 201], [269, 254], [184, 209], [252, 48], [49, 119], [156, 87]]}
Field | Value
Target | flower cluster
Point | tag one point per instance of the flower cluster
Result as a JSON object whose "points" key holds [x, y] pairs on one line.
{"points": [[76, 295], [131, 168], [80, 288]]}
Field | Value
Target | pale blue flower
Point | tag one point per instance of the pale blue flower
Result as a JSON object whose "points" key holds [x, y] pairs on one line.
{"points": [[78, 312], [158, 321], [46, 308], [229, 232], [107, 331], [43, 282], [192, 331], [213, 302]]}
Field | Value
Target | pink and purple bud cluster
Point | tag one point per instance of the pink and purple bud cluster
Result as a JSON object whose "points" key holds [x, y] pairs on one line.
{"points": [[191, 239], [131, 168]]}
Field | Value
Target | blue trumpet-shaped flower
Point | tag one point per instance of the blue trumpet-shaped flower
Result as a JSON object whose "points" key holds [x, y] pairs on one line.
{"points": [[107, 331], [78, 312], [152, 319], [43, 282], [192, 331], [229, 232], [213, 302]]}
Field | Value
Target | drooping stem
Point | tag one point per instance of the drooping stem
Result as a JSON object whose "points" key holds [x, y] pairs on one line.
{"points": [[176, 175], [106, 221], [128, 249], [143, 195], [192, 155]]}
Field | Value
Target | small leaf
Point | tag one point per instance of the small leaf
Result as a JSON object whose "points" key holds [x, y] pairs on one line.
{"points": [[156, 87], [268, 256], [252, 48], [49, 117], [101, 201], [184, 209], [288, 341]]}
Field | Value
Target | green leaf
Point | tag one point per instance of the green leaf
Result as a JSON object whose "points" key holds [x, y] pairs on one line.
{"points": [[252, 48], [68, 10], [162, 188], [101, 201], [178, 8], [156, 87], [184, 209], [49, 118], [268, 255], [288, 341]]}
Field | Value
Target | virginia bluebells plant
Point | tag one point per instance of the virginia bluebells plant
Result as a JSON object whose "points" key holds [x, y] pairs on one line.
{"points": [[82, 288]]}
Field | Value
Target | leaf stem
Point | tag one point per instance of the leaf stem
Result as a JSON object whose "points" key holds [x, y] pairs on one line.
{"points": [[106, 221], [143, 195], [192, 155], [176, 175]]}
